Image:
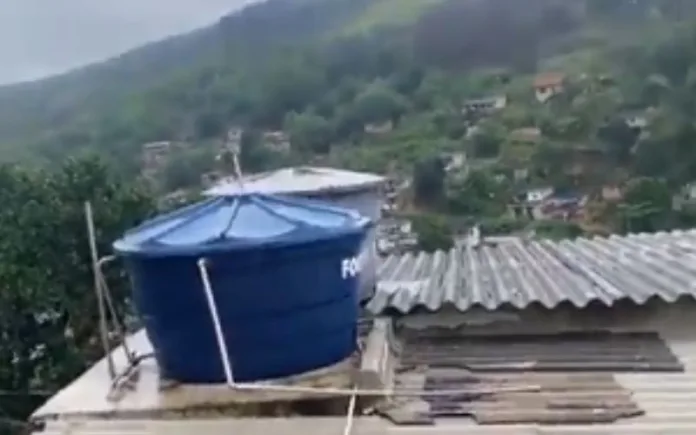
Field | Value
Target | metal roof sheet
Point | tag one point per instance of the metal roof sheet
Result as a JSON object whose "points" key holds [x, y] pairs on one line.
{"points": [[519, 273], [299, 180]]}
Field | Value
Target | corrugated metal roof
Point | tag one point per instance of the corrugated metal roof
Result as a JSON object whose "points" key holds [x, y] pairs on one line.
{"points": [[519, 273], [300, 180]]}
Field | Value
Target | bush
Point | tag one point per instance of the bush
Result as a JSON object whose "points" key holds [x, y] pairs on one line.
{"points": [[434, 232], [502, 225], [557, 229]]}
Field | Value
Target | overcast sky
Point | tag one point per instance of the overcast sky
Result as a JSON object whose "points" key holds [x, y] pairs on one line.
{"points": [[45, 37]]}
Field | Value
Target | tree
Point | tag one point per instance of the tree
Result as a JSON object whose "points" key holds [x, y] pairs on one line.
{"points": [[289, 84], [429, 181], [309, 132], [435, 89], [185, 169], [434, 233], [253, 156], [488, 140], [478, 195], [209, 124], [618, 139], [553, 229], [48, 315], [449, 121], [548, 162], [668, 151], [379, 103], [647, 206]]}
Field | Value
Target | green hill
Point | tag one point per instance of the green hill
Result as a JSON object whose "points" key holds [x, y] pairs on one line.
{"points": [[389, 12], [36, 108], [321, 69]]}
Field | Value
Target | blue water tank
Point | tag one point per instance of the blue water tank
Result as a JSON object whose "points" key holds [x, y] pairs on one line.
{"points": [[284, 277]]}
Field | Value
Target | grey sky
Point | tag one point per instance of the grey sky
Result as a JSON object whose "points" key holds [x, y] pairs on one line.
{"points": [[44, 37]]}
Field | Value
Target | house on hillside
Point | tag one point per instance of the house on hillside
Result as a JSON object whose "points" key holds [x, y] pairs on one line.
{"points": [[455, 162], [544, 203], [525, 135], [563, 207], [527, 204], [638, 119], [612, 193], [686, 197], [155, 156], [520, 174], [379, 128], [154, 153], [538, 194], [547, 85], [277, 141], [484, 106]]}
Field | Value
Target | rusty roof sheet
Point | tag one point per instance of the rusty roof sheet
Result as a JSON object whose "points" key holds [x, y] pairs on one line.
{"points": [[518, 273], [526, 134], [666, 398], [549, 79]]}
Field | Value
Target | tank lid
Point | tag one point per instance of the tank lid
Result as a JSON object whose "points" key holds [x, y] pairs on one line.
{"points": [[226, 223], [300, 180]]}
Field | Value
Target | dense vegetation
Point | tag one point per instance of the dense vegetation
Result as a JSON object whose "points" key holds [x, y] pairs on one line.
{"points": [[48, 315]]}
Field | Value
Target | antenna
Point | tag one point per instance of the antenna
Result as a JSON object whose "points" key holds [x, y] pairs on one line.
{"points": [[233, 146]]}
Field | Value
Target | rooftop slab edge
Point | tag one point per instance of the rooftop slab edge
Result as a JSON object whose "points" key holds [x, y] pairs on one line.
{"points": [[87, 396]]}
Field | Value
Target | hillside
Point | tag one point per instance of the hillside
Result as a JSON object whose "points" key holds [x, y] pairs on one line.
{"points": [[323, 70], [45, 111], [57, 101]]}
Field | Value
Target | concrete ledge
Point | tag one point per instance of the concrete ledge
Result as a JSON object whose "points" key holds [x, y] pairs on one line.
{"points": [[88, 395], [376, 370]]}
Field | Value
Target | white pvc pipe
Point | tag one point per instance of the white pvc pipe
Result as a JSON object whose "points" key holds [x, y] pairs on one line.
{"points": [[348, 429], [215, 316], [331, 391]]}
